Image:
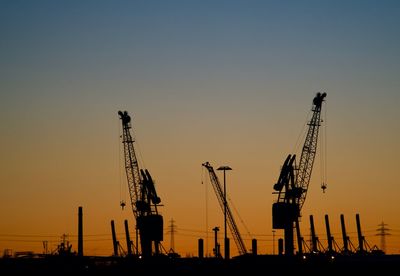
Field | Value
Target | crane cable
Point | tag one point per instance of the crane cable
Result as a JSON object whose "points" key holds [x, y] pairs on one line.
{"points": [[122, 191], [323, 145], [240, 218], [137, 149], [323, 151], [228, 199], [302, 134]]}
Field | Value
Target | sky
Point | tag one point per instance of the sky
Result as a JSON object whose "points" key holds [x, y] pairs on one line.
{"points": [[228, 82]]}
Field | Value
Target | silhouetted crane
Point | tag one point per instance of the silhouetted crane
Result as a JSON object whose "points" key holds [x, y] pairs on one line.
{"points": [[143, 196], [292, 184], [231, 222]]}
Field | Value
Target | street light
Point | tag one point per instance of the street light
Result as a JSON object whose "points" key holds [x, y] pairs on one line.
{"points": [[225, 168]]}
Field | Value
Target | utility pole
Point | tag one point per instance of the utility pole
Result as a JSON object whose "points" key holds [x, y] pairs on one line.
{"points": [[226, 246], [383, 232], [172, 231]]}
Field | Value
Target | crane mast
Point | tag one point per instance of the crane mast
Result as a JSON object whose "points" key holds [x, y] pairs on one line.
{"points": [[143, 195], [293, 182], [309, 148], [131, 163], [231, 222]]}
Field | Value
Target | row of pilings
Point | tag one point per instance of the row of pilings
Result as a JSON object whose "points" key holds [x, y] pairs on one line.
{"points": [[315, 245]]}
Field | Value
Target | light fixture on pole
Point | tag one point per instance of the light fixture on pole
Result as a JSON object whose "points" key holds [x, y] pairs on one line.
{"points": [[226, 246]]}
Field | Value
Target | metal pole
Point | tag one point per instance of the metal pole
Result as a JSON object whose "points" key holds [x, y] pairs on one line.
{"points": [[226, 246], [114, 238], [80, 232], [359, 234], [328, 233], [254, 246], [225, 234], [344, 234], [128, 239], [314, 246], [201, 248]]}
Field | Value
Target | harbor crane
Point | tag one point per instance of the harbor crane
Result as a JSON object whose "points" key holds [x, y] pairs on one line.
{"points": [[293, 181], [143, 196], [221, 199]]}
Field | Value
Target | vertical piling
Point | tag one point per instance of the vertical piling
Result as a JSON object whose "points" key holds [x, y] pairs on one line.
{"points": [[80, 231], [128, 238], [359, 234], [201, 248], [344, 234], [227, 249], [328, 234], [254, 246], [114, 238], [314, 241]]}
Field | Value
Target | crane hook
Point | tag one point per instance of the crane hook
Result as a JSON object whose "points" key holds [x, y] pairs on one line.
{"points": [[122, 203], [323, 187]]}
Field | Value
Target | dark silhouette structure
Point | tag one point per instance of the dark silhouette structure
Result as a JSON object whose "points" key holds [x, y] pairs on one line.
{"points": [[80, 232], [221, 196], [293, 181], [143, 196]]}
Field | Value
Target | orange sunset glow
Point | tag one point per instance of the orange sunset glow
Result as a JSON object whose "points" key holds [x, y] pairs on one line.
{"points": [[227, 82]]}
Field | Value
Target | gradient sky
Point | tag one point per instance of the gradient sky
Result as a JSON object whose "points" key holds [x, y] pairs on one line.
{"points": [[229, 82]]}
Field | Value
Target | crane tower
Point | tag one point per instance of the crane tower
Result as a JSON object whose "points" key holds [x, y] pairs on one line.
{"points": [[143, 195], [293, 181]]}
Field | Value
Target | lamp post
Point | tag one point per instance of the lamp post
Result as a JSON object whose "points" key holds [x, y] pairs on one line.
{"points": [[226, 246]]}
